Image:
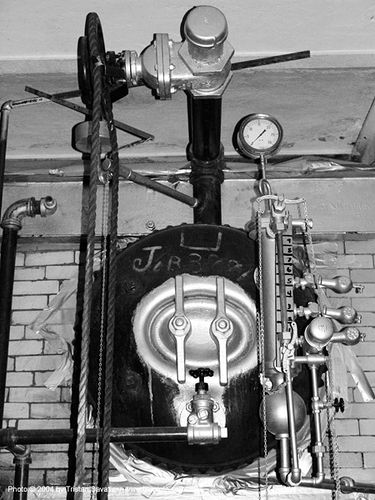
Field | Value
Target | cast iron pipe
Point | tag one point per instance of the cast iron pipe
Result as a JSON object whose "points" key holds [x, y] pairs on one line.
{"points": [[11, 224], [11, 437], [6, 108], [205, 153]]}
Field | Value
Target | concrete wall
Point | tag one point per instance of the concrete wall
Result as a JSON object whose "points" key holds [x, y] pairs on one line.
{"points": [[41, 36]]}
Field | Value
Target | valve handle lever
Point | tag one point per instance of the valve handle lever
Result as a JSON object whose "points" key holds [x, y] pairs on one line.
{"points": [[221, 329], [180, 327]]}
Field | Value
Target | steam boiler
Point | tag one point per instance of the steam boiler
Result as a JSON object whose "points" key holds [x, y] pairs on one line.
{"points": [[202, 347], [213, 329]]}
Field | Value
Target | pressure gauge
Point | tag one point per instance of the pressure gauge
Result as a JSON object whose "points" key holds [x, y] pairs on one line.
{"points": [[258, 135]]}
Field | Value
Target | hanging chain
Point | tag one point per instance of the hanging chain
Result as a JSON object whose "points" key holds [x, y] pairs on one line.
{"points": [[99, 403], [333, 446], [261, 356]]}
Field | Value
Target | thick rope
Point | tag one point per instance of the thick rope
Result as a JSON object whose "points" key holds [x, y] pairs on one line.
{"points": [[111, 308], [89, 272]]}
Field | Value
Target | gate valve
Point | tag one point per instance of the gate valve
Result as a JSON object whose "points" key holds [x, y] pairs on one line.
{"points": [[311, 311], [201, 373], [344, 315], [202, 429], [339, 405]]}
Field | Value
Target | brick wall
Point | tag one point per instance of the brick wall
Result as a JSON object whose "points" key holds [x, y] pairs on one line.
{"points": [[30, 405]]}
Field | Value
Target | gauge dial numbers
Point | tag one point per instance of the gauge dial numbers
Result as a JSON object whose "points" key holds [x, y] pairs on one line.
{"points": [[258, 135]]}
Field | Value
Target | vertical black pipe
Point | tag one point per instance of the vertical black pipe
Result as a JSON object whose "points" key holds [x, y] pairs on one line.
{"points": [[21, 474], [4, 124], [206, 155], [7, 265]]}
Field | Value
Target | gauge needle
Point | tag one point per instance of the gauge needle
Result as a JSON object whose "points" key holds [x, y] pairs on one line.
{"points": [[260, 135]]}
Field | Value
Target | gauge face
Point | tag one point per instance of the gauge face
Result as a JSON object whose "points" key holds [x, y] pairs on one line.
{"points": [[258, 135]]}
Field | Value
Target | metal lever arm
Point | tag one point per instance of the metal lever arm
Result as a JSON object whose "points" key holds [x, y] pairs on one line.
{"points": [[221, 329], [180, 327]]}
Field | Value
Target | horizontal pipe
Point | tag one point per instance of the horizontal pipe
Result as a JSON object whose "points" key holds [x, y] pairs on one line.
{"points": [[10, 436], [130, 175]]}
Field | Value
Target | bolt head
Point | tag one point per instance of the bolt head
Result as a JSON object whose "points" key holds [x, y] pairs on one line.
{"points": [[192, 419], [203, 414]]}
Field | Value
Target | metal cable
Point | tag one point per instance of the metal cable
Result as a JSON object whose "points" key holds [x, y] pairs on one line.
{"points": [[89, 272], [112, 274]]}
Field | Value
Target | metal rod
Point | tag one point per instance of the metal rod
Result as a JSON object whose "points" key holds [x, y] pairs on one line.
{"points": [[130, 175], [75, 107], [10, 437], [295, 475], [270, 60], [317, 449]]}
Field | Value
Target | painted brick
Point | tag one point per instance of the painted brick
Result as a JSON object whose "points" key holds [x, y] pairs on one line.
{"points": [[29, 273], [66, 394], [368, 291], [358, 410], [48, 258], [41, 377], [10, 364], [24, 317], [353, 261], [350, 460], [368, 319], [50, 410], [356, 443], [61, 272], [347, 427], [37, 478], [25, 347], [367, 246], [29, 302], [369, 333], [37, 363], [364, 304], [38, 287], [360, 475], [50, 460], [56, 477], [367, 427], [363, 275], [367, 363], [364, 349], [37, 423], [31, 334], [19, 379], [17, 332], [358, 396], [33, 394], [20, 259], [369, 460], [19, 410]]}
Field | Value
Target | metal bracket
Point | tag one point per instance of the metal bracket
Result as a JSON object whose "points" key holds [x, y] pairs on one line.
{"points": [[221, 329], [180, 327]]}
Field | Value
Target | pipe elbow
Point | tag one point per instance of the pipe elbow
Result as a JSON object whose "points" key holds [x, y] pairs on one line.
{"points": [[28, 207], [7, 106]]}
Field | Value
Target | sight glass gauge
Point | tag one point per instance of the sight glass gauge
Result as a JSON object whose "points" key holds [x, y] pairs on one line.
{"points": [[258, 135]]}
